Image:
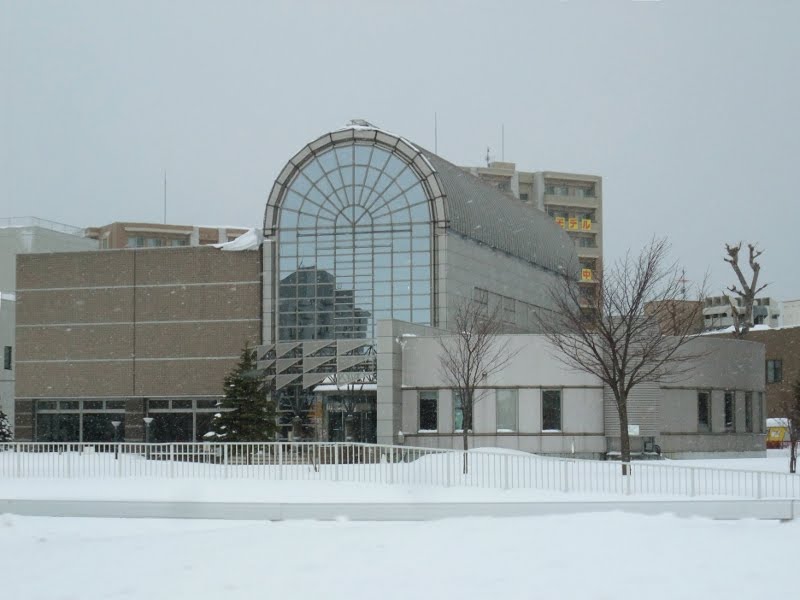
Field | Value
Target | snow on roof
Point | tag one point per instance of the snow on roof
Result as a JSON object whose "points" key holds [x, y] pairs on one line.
{"points": [[366, 125], [250, 240], [777, 422], [753, 328]]}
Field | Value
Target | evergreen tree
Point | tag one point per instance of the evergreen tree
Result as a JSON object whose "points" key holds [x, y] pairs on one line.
{"points": [[5, 428], [251, 417]]}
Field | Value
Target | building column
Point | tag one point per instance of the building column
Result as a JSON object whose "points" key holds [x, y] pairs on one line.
{"points": [[134, 425], [24, 420]]}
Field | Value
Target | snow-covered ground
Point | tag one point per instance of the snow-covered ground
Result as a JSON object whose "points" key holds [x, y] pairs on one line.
{"points": [[597, 556]]}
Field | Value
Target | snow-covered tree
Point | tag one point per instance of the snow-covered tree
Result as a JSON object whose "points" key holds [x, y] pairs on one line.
{"points": [[6, 435], [247, 413]]}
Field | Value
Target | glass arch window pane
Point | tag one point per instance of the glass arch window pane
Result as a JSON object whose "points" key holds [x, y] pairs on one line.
{"points": [[344, 245]]}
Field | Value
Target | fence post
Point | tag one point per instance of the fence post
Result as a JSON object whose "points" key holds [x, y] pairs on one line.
{"points": [[506, 472], [280, 460], [565, 476], [336, 462], [17, 461], [225, 459], [448, 467], [172, 461], [691, 482], [758, 487]]}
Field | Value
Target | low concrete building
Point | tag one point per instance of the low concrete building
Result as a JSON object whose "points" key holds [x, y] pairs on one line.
{"points": [[539, 405]]}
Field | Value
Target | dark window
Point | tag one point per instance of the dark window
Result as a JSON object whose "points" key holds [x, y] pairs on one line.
{"points": [[729, 411], [551, 410], [748, 411], [7, 358], [428, 411], [774, 371], [523, 197], [703, 411]]}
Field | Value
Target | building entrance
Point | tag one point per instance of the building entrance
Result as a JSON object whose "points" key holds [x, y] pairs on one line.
{"points": [[351, 416]]}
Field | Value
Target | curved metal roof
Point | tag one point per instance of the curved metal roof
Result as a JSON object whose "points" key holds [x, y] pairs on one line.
{"points": [[485, 214], [459, 201]]}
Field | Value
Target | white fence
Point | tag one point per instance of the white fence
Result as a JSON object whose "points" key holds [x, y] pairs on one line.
{"points": [[379, 464]]}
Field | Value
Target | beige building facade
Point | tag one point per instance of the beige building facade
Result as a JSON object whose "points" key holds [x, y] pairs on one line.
{"points": [[157, 235], [117, 335]]}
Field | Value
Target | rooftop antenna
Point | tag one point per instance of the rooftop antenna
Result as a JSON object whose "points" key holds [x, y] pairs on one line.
{"points": [[683, 281], [165, 196], [435, 134], [488, 157]]}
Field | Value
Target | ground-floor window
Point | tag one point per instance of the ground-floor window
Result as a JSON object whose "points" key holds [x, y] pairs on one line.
{"points": [[703, 412], [181, 419], [78, 420], [429, 411], [551, 410], [748, 412], [506, 409], [730, 404]]}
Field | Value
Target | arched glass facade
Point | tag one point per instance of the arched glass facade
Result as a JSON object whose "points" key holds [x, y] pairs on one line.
{"points": [[353, 245]]}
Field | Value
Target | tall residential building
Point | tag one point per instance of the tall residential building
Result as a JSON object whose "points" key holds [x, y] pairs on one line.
{"points": [[157, 235], [574, 201]]}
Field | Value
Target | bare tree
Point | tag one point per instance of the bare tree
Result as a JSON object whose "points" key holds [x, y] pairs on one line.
{"points": [[471, 355], [743, 317], [617, 333]]}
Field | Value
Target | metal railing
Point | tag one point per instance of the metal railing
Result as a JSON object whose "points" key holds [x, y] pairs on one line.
{"points": [[384, 464]]}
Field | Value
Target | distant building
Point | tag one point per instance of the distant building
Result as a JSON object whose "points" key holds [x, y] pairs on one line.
{"points": [[157, 235], [574, 201], [718, 312], [790, 312], [25, 235]]}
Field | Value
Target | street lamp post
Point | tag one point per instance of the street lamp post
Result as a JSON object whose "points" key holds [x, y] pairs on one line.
{"points": [[116, 425], [147, 421]]}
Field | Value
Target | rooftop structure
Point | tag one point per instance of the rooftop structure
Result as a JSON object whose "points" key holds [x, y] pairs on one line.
{"points": [[156, 235]]}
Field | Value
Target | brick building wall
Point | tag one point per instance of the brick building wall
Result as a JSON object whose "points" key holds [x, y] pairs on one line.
{"points": [[131, 325]]}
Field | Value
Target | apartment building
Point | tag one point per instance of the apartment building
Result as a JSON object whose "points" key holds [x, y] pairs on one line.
{"points": [[718, 312], [574, 201], [158, 235]]}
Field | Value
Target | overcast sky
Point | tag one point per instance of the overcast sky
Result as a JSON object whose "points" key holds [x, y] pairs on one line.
{"points": [[688, 110]]}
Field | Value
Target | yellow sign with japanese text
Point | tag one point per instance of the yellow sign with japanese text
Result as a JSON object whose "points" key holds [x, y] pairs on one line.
{"points": [[573, 224], [586, 224], [586, 274], [560, 221]]}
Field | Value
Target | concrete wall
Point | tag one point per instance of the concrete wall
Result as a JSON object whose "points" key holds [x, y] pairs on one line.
{"points": [[531, 370], [590, 425]]}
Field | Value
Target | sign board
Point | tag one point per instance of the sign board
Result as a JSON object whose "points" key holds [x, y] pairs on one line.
{"points": [[572, 224], [586, 274], [633, 430], [561, 222], [586, 224]]}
